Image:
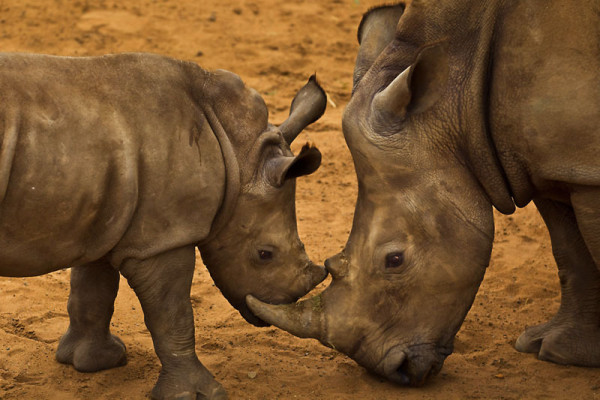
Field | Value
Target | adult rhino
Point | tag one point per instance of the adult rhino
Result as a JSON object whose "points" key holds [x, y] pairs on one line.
{"points": [[124, 164], [459, 106]]}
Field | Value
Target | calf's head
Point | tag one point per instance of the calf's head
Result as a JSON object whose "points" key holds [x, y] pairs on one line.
{"points": [[256, 249], [422, 232]]}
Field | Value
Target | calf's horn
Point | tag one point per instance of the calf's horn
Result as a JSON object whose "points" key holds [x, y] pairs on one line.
{"points": [[302, 319]]}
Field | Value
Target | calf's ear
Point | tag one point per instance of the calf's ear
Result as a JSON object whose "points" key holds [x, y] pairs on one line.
{"points": [[307, 107], [418, 87], [280, 168]]}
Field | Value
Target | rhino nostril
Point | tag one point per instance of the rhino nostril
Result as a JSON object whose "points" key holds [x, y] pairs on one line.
{"points": [[401, 373], [416, 378], [394, 367]]}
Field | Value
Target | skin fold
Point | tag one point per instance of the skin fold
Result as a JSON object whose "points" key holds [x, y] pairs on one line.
{"points": [[123, 165], [459, 107]]}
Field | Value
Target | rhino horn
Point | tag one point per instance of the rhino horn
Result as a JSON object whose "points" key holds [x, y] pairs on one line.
{"points": [[307, 107], [394, 99], [302, 319], [418, 87]]}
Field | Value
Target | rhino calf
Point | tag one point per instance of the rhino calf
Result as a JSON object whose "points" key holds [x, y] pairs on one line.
{"points": [[459, 106], [124, 164]]}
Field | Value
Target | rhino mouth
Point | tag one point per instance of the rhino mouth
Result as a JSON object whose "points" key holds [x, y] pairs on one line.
{"points": [[414, 365]]}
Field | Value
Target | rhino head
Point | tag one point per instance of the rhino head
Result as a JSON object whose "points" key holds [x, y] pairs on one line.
{"points": [[423, 227], [254, 246]]}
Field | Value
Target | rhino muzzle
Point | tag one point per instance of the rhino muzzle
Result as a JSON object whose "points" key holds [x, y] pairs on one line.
{"points": [[412, 366]]}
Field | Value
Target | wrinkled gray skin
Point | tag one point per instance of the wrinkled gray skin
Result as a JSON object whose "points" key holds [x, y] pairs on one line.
{"points": [[123, 165], [459, 106]]}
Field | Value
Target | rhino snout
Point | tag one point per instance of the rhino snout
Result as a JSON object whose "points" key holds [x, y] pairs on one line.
{"points": [[412, 366], [337, 265], [318, 273]]}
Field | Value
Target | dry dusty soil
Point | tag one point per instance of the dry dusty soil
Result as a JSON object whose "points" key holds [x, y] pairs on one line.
{"points": [[274, 45]]}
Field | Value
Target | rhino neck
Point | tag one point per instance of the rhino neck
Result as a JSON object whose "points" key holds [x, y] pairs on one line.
{"points": [[232, 176], [477, 141], [468, 26]]}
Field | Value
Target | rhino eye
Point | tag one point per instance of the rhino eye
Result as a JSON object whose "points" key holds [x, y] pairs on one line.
{"points": [[265, 255], [394, 260]]}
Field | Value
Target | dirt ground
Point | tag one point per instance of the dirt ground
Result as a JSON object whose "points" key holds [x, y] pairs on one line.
{"points": [[274, 45]]}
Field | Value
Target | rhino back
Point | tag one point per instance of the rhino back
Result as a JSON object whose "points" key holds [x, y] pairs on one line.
{"points": [[545, 95], [111, 157]]}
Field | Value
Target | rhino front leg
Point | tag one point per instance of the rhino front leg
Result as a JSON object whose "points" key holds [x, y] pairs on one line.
{"points": [[572, 336], [163, 284], [586, 202], [88, 344]]}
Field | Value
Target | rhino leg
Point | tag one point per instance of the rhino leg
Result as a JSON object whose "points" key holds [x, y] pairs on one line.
{"points": [[88, 344], [163, 284], [572, 336], [586, 202]]}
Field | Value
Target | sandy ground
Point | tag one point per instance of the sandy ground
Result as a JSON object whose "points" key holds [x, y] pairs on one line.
{"points": [[274, 45]]}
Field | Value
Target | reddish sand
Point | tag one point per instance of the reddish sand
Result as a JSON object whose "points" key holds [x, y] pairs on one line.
{"points": [[274, 45]]}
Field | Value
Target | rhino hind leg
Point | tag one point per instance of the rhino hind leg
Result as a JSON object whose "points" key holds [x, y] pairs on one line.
{"points": [[88, 344], [163, 284], [572, 336]]}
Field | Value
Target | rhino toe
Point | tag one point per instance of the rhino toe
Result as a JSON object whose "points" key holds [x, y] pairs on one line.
{"points": [[218, 393], [189, 381], [528, 343]]}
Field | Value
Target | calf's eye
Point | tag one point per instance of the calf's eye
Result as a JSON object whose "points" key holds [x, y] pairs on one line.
{"points": [[394, 260], [265, 254]]}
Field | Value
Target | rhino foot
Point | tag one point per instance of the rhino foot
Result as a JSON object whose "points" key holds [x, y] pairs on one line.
{"points": [[192, 385], [562, 342], [216, 393], [91, 354]]}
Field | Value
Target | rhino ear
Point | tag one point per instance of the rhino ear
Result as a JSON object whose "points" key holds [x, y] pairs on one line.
{"points": [[280, 168], [307, 107], [375, 32], [418, 87]]}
